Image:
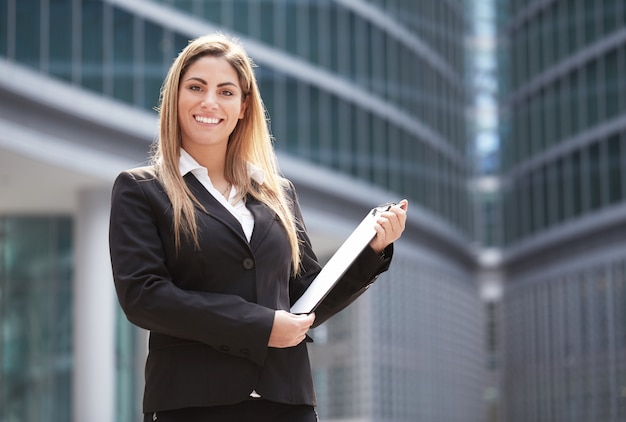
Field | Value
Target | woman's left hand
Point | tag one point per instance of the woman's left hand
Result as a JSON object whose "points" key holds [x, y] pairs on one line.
{"points": [[389, 226]]}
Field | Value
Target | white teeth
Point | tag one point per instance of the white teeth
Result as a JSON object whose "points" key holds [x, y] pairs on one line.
{"points": [[208, 120]]}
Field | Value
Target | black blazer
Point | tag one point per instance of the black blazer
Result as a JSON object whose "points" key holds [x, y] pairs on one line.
{"points": [[210, 311]]}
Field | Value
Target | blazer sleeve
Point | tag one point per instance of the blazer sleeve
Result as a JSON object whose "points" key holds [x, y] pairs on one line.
{"points": [[149, 296], [359, 277], [354, 282]]}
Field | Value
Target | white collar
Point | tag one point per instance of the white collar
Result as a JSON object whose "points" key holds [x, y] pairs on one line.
{"points": [[187, 164]]}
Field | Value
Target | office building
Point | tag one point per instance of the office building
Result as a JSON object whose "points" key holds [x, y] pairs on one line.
{"points": [[563, 326], [367, 103]]}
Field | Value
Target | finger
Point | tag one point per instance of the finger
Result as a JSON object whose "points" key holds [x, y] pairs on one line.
{"points": [[396, 214], [380, 229], [391, 228], [403, 205], [390, 224]]}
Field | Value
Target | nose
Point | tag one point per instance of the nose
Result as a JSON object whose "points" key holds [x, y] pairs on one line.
{"points": [[209, 100]]}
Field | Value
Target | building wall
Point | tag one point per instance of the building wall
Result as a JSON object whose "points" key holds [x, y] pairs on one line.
{"points": [[564, 155]]}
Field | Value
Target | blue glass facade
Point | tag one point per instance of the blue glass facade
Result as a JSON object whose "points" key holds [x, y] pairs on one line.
{"points": [[567, 147], [385, 105], [35, 318], [564, 162]]}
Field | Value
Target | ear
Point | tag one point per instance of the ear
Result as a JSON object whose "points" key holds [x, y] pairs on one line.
{"points": [[244, 105]]}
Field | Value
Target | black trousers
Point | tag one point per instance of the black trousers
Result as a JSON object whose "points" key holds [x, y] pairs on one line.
{"points": [[255, 410]]}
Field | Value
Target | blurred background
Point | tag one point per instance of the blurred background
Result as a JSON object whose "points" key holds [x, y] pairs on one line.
{"points": [[502, 121]]}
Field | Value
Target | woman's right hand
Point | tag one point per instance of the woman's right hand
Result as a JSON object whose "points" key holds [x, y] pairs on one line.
{"points": [[289, 329]]}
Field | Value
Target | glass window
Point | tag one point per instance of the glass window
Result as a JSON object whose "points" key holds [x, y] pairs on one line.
{"points": [[538, 205], [592, 89], [380, 153], [573, 27], [414, 158], [551, 193], [595, 178], [128, 385], [341, 26], [574, 100], [123, 56], [36, 315], [4, 27], [536, 124], [547, 38], [610, 15], [557, 27], [524, 137], [560, 191], [332, 28], [590, 16], [92, 41], [266, 12], [327, 128], [548, 116], [316, 124], [303, 118], [291, 20], [576, 184], [611, 86], [509, 216], [534, 48], [616, 145], [60, 60], [513, 57], [230, 13], [28, 34], [526, 219], [185, 5], [564, 114], [555, 112], [292, 108], [153, 64], [359, 145]]}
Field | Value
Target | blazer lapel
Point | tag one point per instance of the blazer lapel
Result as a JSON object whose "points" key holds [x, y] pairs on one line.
{"points": [[264, 218], [212, 207]]}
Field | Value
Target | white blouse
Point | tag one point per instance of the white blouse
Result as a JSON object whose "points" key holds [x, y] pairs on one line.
{"points": [[238, 209]]}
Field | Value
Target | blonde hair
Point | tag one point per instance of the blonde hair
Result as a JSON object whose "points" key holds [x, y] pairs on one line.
{"points": [[250, 141]]}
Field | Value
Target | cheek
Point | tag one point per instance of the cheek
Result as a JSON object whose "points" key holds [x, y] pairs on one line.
{"points": [[182, 103]]}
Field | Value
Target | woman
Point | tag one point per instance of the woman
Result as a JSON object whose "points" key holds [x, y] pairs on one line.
{"points": [[209, 251]]}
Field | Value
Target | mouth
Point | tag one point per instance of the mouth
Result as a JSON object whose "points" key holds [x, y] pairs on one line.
{"points": [[207, 120]]}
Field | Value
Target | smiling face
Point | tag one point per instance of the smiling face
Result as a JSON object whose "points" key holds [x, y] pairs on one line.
{"points": [[210, 103]]}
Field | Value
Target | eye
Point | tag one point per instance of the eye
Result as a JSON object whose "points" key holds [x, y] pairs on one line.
{"points": [[227, 93], [195, 88]]}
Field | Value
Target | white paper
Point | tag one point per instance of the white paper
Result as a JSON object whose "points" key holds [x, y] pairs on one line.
{"points": [[338, 263]]}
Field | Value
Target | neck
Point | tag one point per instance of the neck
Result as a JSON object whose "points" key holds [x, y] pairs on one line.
{"points": [[213, 159]]}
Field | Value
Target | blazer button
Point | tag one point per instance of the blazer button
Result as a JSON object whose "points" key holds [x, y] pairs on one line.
{"points": [[224, 348], [248, 263], [245, 352]]}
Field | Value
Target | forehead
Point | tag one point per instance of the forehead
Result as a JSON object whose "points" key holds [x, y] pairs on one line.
{"points": [[211, 68]]}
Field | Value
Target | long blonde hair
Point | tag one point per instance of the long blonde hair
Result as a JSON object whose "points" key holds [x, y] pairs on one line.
{"points": [[250, 141]]}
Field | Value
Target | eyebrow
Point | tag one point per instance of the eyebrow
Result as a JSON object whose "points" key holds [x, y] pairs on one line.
{"points": [[202, 81]]}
